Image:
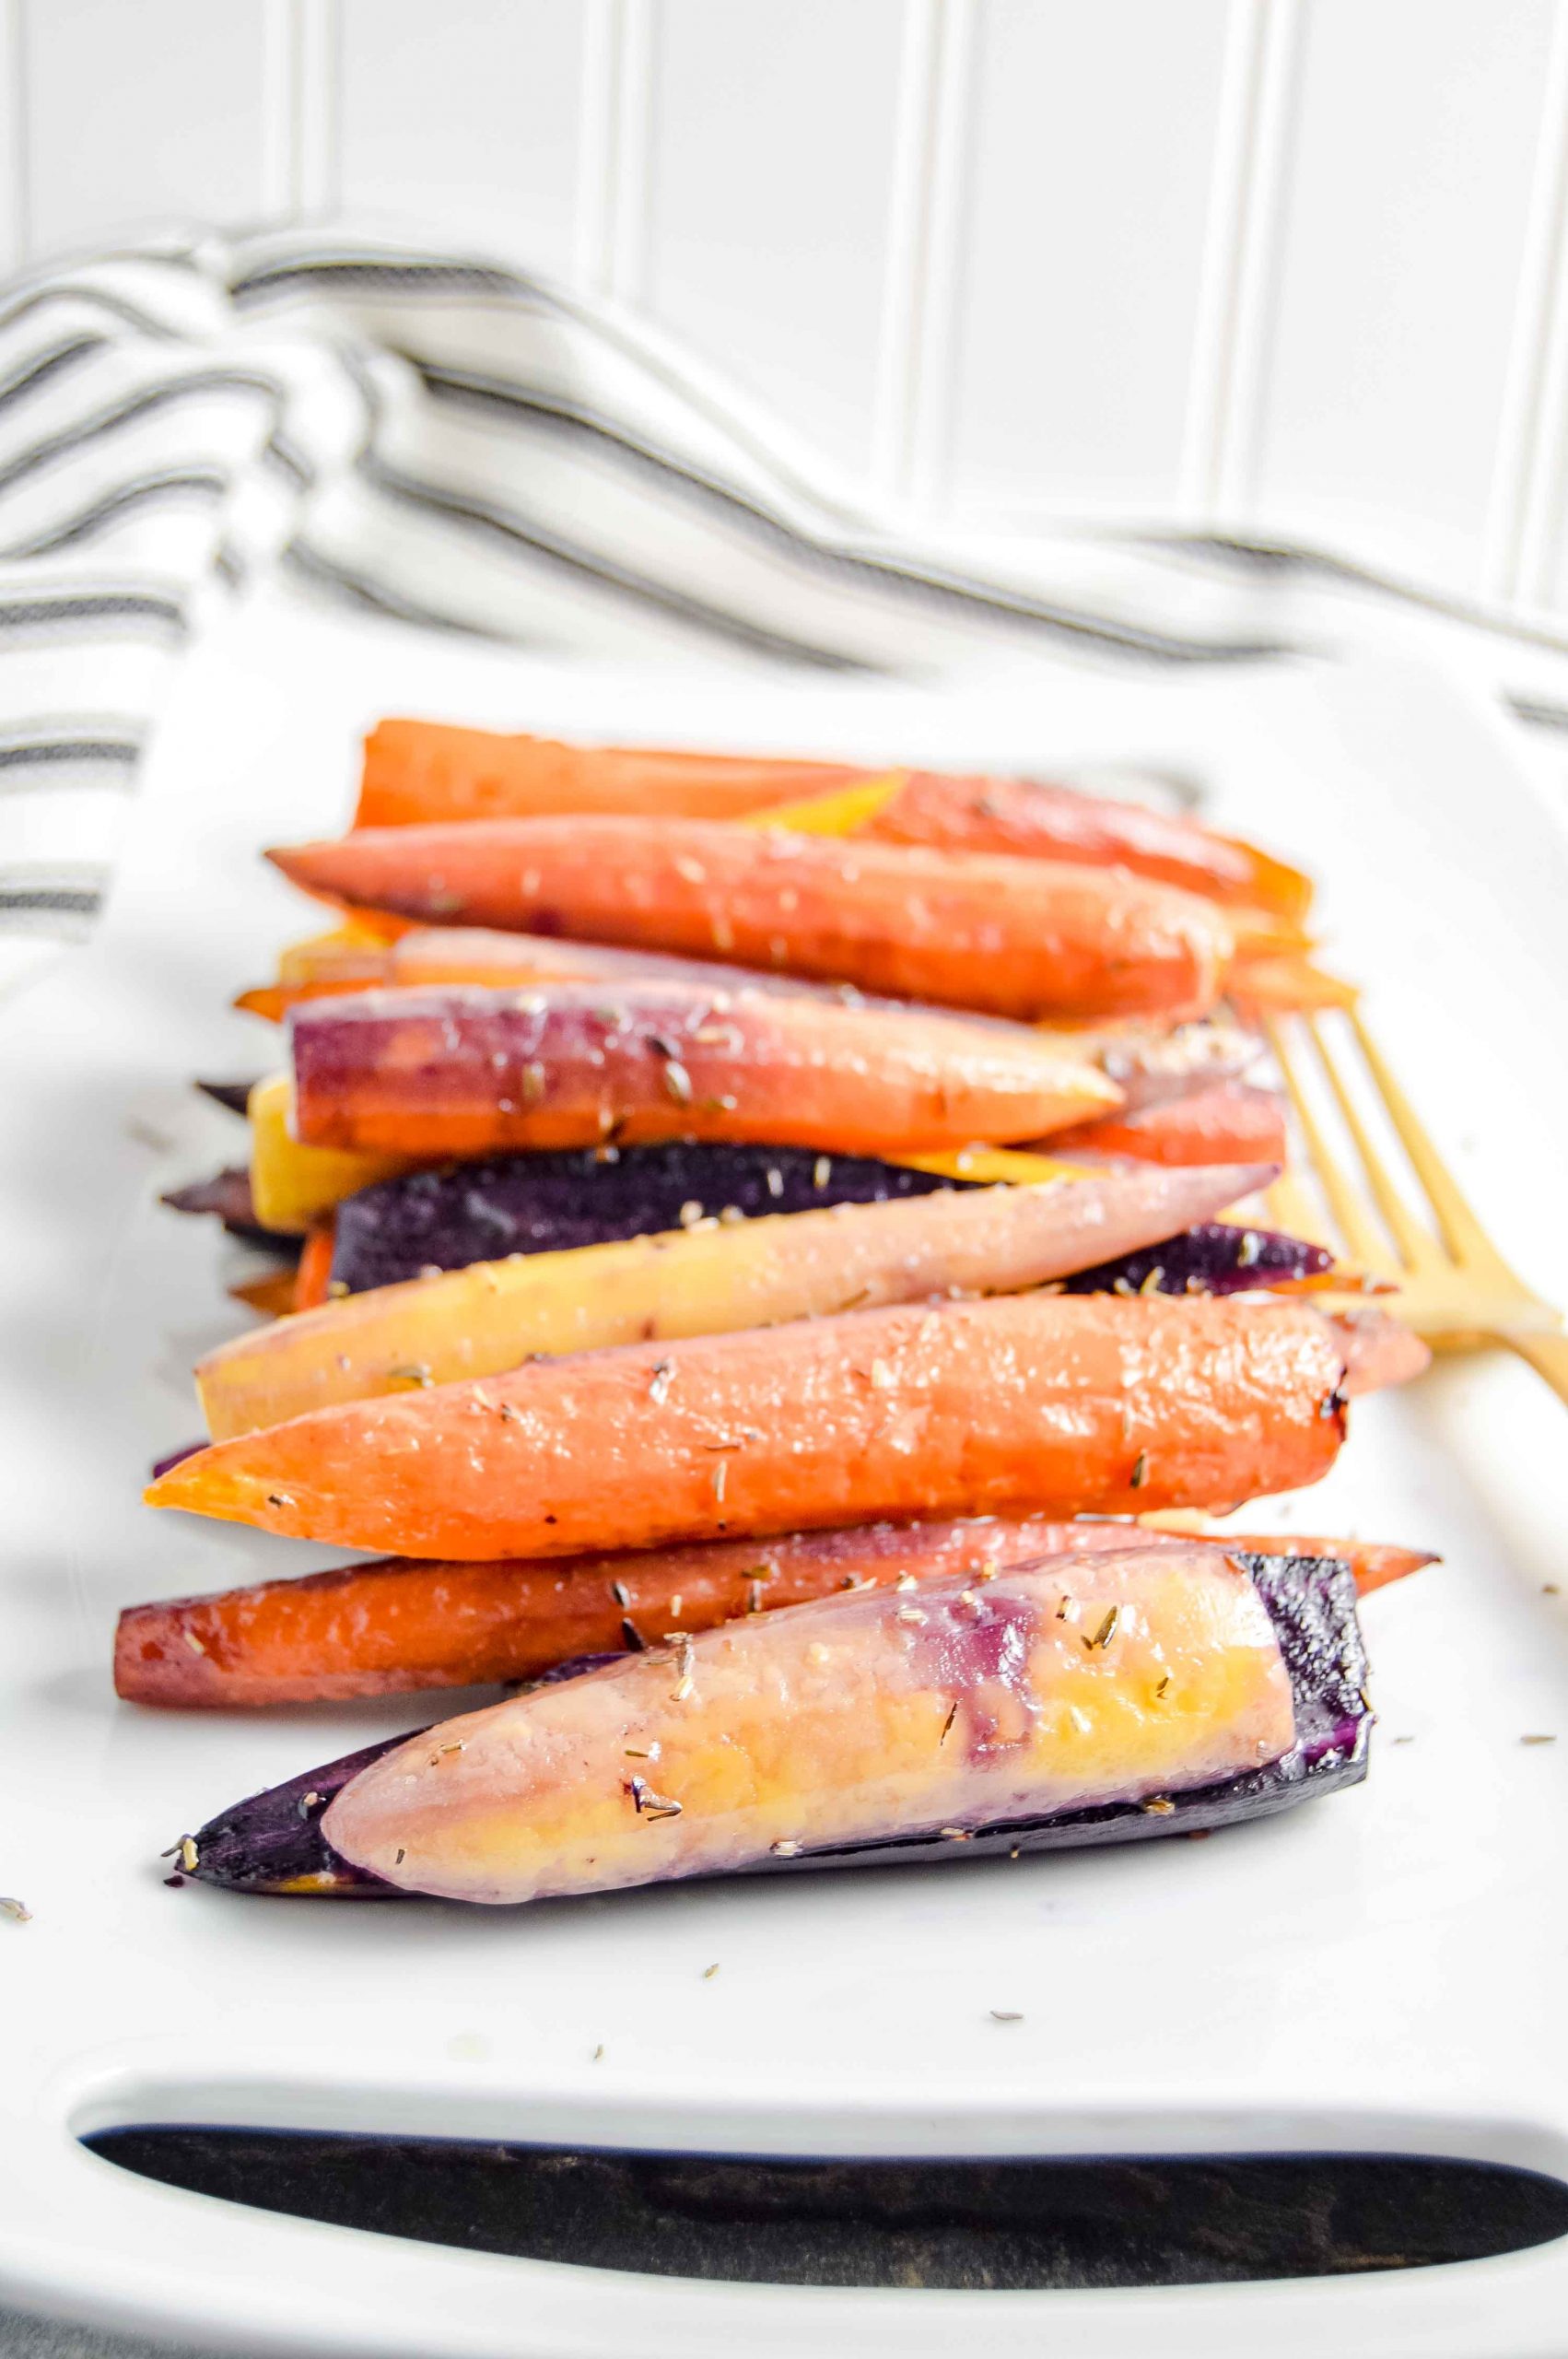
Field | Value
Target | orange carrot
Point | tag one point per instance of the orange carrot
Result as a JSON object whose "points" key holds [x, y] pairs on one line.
{"points": [[417, 771], [1041, 821], [1011, 938], [1375, 1563], [1268, 985], [1231, 1122], [1046, 1405], [574, 1065], [312, 1277], [399, 1624]]}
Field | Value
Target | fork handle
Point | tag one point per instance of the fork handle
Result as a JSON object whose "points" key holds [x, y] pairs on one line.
{"points": [[1547, 1355]]}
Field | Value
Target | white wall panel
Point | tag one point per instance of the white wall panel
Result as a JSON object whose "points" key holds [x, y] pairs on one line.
{"points": [[1398, 270], [1092, 146], [141, 111], [1295, 264], [770, 146], [465, 117]]}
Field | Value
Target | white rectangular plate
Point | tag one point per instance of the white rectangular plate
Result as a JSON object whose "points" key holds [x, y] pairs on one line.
{"points": [[1380, 1971]]}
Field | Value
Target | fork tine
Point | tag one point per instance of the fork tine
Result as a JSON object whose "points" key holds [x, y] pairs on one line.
{"points": [[1357, 1230], [1416, 1250], [1461, 1232]]}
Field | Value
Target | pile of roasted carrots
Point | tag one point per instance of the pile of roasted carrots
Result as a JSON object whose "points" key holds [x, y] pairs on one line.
{"points": [[707, 1186]]}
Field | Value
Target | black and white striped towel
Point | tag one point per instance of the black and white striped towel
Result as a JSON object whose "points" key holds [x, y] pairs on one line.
{"points": [[454, 442]]}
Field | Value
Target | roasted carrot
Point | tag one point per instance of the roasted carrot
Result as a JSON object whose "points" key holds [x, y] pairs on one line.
{"points": [[313, 1276], [1276, 985], [331, 964], [1033, 818], [1375, 1563], [471, 1073], [417, 771], [1038, 1404], [1006, 936], [1230, 1121], [399, 1624], [490, 1316]]}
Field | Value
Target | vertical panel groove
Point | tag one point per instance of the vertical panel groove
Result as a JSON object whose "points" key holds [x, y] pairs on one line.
{"points": [[917, 367], [610, 244], [316, 113], [1524, 512], [634, 102], [1211, 390], [16, 225], [906, 284], [1241, 270]]}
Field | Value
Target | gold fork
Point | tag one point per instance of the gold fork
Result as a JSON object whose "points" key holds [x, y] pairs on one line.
{"points": [[1455, 1287]]}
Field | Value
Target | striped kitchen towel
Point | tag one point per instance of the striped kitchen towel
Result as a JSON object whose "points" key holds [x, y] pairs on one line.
{"points": [[455, 442]]}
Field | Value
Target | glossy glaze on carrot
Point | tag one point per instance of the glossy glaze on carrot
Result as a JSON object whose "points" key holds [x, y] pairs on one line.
{"points": [[708, 1279], [467, 1072], [1012, 938], [1046, 1404], [862, 1717], [420, 771]]}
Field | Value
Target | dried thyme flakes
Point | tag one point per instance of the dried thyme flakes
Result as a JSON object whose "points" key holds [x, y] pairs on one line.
{"points": [[1106, 1632], [1139, 1475], [649, 1805]]}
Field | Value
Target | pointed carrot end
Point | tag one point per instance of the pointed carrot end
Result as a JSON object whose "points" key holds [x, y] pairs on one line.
{"points": [[205, 1484], [1378, 1351], [266, 999], [298, 862]]}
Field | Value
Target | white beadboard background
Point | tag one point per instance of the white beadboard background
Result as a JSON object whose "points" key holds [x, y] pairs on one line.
{"points": [[1293, 268]]}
